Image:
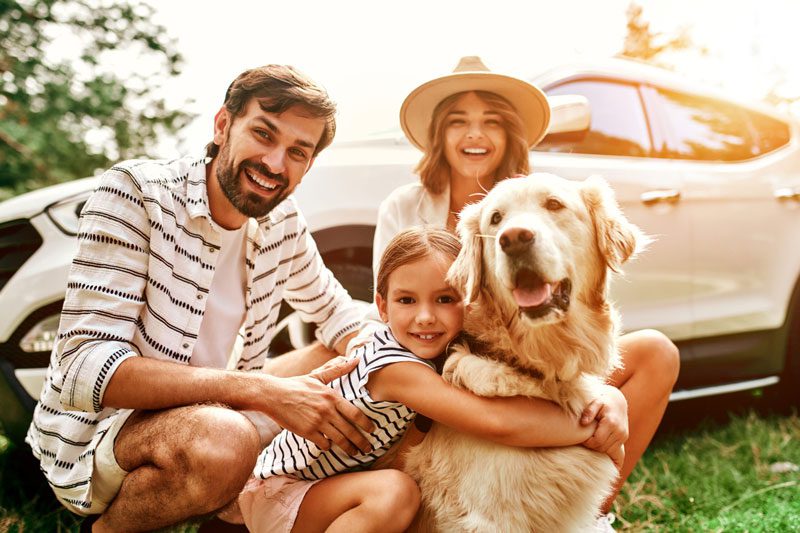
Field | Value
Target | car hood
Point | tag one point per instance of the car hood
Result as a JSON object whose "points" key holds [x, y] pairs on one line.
{"points": [[32, 203]]}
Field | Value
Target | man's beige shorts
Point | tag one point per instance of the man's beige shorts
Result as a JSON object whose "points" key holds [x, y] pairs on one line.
{"points": [[107, 476]]}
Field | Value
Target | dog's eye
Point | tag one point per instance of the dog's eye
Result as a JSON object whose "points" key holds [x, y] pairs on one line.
{"points": [[553, 204], [496, 218]]}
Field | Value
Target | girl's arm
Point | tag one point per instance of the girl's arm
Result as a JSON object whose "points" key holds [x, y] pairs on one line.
{"points": [[514, 421]]}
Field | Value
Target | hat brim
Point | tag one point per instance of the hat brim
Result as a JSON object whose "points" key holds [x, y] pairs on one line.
{"points": [[530, 102]]}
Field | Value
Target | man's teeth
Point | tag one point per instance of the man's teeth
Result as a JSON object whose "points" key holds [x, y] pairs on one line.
{"points": [[260, 181], [477, 151]]}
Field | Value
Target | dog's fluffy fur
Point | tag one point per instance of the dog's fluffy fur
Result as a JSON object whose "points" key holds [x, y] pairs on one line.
{"points": [[534, 270]]}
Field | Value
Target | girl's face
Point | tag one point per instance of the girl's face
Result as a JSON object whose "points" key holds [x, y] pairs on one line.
{"points": [[423, 311], [474, 139]]}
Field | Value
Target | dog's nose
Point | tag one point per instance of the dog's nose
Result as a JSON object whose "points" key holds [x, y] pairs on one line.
{"points": [[514, 241]]}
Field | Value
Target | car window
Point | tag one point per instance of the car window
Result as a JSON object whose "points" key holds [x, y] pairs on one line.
{"points": [[770, 132], [706, 129], [618, 126]]}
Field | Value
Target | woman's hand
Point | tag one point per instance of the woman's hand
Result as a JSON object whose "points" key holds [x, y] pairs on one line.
{"points": [[617, 454], [610, 411]]}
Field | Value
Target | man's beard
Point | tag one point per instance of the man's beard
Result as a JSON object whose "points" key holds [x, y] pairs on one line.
{"points": [[248, 203]]}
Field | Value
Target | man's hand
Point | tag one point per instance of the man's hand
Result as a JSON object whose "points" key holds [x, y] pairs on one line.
{"points": [[305, 405], [610, 410]]}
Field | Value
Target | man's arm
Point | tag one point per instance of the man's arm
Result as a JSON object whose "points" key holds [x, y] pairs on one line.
{"points": [[105, 291], [304, 360], [304, 405]]}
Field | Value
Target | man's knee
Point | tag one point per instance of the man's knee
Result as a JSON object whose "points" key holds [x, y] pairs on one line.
{"points": [[214, 455]]}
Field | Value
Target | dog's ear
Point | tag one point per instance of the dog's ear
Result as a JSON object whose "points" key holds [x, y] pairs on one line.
{"points": [[617, 238], [466, 273]]}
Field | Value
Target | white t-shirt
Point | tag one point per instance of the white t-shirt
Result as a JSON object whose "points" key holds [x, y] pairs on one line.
{"points": [[225, 309]]}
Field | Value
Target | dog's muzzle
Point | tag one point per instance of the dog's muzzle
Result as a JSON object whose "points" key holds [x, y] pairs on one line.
{"points": [[537, 298]]}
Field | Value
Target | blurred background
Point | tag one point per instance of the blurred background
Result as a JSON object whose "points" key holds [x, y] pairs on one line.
{"points": [[88, 82]]}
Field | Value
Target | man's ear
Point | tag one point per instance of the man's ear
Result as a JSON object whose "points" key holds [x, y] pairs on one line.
{"points": [[381, 303], [222, 122]]}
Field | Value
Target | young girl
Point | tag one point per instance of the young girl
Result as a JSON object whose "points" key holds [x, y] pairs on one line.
{"points": [[295, 487]]}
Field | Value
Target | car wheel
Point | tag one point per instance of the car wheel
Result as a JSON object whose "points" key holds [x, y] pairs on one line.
{"points": [[292, 333]]}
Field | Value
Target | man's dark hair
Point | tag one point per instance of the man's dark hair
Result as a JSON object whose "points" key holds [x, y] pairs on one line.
{"points": [[281, 87]]}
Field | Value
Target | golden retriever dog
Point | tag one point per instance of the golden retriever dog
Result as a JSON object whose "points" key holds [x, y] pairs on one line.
{"points": [[534, 268]]}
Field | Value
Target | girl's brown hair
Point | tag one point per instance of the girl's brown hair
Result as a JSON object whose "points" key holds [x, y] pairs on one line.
{"points": [[411, 245], [433, 169]]}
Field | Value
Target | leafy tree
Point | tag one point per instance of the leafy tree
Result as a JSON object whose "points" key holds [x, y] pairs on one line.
{"points": [[656, 47], [644, 44], [63, 112]]}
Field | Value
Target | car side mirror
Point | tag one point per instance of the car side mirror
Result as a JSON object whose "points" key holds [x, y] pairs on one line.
{"points": [[570, 117]]}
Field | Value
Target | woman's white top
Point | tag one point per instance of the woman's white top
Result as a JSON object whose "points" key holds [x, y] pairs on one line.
{"points": [[407, 206]]}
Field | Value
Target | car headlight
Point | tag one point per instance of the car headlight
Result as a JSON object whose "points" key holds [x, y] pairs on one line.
{"points": [[65, 213], [42, 336]]}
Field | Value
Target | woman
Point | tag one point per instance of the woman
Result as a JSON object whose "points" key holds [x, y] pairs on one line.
{"points": [[475, 127]]}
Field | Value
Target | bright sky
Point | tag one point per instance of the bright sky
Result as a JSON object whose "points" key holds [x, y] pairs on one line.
{"points": [[370, 54]]}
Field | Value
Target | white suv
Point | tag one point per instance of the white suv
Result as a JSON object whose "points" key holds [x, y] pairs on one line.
{"points": [[716, 182]]}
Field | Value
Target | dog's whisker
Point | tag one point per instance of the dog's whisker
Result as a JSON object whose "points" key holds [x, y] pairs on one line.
{"points": [[478, 180], [481, 235]]}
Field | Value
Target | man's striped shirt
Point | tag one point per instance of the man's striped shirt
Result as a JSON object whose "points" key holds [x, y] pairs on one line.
{"points": [[147, 250], [289, 454]]}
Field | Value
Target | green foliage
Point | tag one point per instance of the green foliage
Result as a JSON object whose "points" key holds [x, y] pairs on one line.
{"points": [[63, 112]]}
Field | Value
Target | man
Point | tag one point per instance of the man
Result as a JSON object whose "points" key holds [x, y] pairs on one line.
{"points": [[139, 421]]}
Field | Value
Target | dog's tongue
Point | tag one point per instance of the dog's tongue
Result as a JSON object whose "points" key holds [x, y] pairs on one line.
{"points": [[532, 296]]}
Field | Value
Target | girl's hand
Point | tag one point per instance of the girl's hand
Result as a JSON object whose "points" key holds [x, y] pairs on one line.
{"points": [[610, 411]]}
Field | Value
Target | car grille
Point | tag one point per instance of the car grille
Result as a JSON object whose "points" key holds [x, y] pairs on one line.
{"points": [[18, 241]]}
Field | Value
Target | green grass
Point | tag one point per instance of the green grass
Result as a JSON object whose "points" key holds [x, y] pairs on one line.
{"points": [[717, 479], [713, 478], [26, 502]]}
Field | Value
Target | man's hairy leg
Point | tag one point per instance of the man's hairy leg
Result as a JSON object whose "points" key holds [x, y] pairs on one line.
{"points": [[182, 462]]}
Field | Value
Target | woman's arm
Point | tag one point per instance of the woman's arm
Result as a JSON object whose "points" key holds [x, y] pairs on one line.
{"points": [[514, 421]]}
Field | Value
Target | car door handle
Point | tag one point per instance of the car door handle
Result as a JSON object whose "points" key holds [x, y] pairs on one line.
{"points": [[787, 193], [663, 195]]}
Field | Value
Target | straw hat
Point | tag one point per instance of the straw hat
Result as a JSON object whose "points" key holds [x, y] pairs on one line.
{"points": [[472, 75]]}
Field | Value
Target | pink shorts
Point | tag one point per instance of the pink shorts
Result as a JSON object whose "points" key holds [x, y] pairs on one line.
{"points": [[272, 504]]}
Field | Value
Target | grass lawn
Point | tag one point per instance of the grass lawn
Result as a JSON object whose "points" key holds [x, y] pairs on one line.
{"points": [[715, 477], [718, 478]]}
